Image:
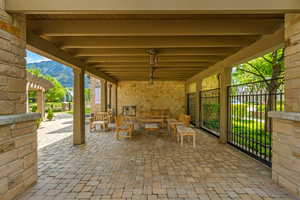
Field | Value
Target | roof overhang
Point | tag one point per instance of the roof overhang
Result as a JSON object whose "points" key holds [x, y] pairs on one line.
{"points": [[153, 6]]}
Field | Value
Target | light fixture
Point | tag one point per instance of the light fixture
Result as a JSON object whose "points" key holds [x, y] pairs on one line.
{"points": [[153, 61]]}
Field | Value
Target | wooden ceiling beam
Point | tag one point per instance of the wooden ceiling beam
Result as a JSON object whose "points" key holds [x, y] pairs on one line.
{"points": [[161, 59], [154, 42], [264, 45], [146, 64], [163, 52], [162, 27], [147, 69]]}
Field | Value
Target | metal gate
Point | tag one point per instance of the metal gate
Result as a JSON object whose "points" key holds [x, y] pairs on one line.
{"points": [[210, 111], [249, 127], [191, 104]]}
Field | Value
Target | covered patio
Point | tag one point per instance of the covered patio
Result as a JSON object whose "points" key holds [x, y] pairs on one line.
{"points": [[152, 55], [146, 167]]}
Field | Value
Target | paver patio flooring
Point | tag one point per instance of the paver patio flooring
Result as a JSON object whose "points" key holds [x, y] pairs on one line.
{"points": [[149, 167]]}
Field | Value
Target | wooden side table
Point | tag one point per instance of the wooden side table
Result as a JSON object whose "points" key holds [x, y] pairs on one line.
{"points": [[186, 131]]}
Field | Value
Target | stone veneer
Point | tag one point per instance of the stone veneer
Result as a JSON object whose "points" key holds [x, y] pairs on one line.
{"points": [[286, 150], [210, 82], [18, 154], [18, 138], [12, 66], [94, 107], [286, 125], [161, 95]]}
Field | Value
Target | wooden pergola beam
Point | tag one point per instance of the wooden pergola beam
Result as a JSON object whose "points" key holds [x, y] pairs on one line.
{"points": [[154, 27], [161, 59], [163, 52], [49, 50], [154, 42]]}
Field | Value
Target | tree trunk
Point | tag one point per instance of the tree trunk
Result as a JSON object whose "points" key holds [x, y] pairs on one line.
{"points": [[272, 88]]}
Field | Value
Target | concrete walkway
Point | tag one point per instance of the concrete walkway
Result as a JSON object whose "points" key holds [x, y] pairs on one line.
{"points": [[56, 130], [147, 167]]}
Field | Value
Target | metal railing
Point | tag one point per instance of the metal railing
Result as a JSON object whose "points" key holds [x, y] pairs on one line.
{"points": [[249, 127], [210, 111]]}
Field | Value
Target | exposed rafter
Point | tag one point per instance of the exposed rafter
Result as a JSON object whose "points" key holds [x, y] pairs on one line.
{"points": [[162, 52], [154, 42], [161, 59], [154, 27]]}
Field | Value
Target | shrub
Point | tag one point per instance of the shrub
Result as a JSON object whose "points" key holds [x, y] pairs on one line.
{"points": [[38, 122], [33, 108], [50, 115]]}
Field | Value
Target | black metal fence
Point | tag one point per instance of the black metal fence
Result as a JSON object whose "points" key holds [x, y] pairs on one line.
{"points": [[210, 110], [191, 103], [249, 127]]}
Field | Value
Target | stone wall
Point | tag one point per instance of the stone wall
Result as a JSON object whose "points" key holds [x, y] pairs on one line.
{"points": [[286, 125], [292, 63], [94, 107], [18, 142], [286, 152], [161, 95], [210, 82], [12, 65], [18, 154]]}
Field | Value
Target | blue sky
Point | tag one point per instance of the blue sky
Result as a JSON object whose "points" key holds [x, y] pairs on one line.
{"points": [[32, 57]]}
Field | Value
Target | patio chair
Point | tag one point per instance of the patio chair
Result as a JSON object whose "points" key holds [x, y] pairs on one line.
{"points": [[123, 128], [100, 118]]}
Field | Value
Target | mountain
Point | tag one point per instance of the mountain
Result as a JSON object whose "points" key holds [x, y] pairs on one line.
{"points": [[61, 72]]}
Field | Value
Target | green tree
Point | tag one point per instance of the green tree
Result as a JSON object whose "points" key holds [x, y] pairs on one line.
{"points": [[57, 92], [268, 68]]}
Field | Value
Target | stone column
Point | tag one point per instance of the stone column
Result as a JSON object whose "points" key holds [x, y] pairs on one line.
{"points": [[103, 95], [79, 108], [286, 125], [40, 97], [224, 83], [18, 138]]}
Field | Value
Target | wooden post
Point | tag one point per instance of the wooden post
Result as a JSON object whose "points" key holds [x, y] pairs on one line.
{"points": [[40, 100], [224, 83], [109, 87], [114, 99], [79, 112], [198, 105], [103, 95]]}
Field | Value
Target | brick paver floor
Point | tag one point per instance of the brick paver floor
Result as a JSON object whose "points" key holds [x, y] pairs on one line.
{"points": [[148, 167]]}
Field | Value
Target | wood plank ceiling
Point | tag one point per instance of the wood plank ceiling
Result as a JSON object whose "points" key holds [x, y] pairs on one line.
{"points": [[117, 45]]}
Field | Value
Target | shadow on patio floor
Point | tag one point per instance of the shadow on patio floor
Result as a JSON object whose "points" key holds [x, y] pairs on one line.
{"points": [[149, 167]]}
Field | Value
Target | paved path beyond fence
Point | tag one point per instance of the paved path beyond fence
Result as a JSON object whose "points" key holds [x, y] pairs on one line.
{"points": [[147, 167]]}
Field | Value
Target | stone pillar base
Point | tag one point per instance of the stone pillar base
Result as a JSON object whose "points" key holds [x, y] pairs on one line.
{"points": [[18, 154], [286, 150]]}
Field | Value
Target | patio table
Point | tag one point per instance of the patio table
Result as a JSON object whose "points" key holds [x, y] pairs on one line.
{"points": [[186, 131]]}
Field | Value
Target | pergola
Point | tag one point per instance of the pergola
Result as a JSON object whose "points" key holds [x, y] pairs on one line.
{"points": [[192, 39], [39, 85]]}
